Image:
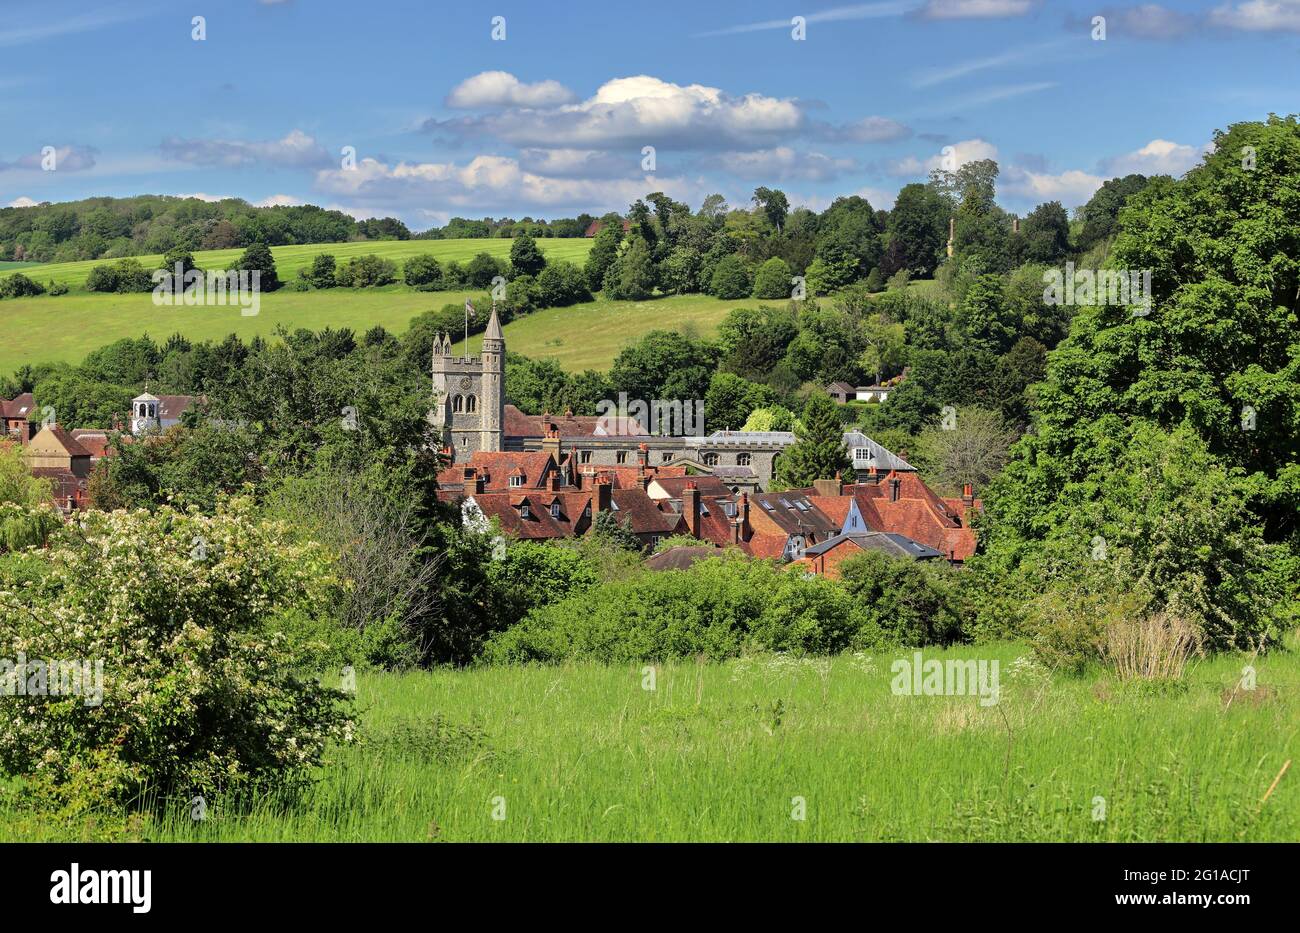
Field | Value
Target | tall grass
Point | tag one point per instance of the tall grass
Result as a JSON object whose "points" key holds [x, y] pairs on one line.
{"points": [[725, 752]]}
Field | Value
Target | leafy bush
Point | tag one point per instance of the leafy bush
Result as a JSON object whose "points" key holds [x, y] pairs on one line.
{"points": [[422, 272], [20, 286], [199, 693], [123, 277], [57, 288], [772, 279], [718, 608], [369, 271], [321, 272], [561, 284], [730, 279]]}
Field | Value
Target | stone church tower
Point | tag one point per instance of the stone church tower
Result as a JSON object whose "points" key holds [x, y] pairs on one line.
{"points": [[469, 393]]}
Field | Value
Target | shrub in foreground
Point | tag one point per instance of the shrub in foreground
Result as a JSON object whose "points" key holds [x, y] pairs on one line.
{"points": [[197, 693]]}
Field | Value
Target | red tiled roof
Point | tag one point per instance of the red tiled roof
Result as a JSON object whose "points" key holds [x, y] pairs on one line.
{"points": [[707, 485], [639, 513], [97, 443], [517, 424], [70, 443], [919, 514], [19, 407], [498, 467]]}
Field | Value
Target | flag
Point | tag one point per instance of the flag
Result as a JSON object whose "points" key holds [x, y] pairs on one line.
{"points": [[469, 308]]}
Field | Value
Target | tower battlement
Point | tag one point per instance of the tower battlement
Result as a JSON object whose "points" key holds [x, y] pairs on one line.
{"points": [[469, 393]]}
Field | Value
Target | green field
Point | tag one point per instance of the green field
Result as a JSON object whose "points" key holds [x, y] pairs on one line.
{"points": [[7, 265], [721, 751], [292, 260], [589, 335], [583, 336]]}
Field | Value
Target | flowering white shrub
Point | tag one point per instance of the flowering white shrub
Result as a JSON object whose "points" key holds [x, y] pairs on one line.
{"points": [[199, 694]]}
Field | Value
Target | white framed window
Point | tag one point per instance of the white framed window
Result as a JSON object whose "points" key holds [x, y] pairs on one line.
{"points": [[555, 510], [516, 481]]}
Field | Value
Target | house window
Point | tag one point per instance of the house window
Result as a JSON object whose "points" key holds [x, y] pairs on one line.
{"points": [[666, 456], [524, 512], [584, 456], [710, 459], [586, 513], [555, 510], [742, 459], [471, 403], [516, 481], [458, 403], [621, 457], [862, 453]]}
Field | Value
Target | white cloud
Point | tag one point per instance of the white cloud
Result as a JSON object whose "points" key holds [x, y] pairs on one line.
{"points": [[1071, 188], [295, 150], [280, 200], [968, 150], [22, 202], [485, 183], [642, 111], [1258, 16], [66, 159], [976, 9], [502, 89], [1158, 157]]}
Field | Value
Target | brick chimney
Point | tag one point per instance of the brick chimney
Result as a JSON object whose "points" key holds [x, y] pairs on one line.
{"points": [[553, 480], [551, 444], [894, 484], [691, 509], [740, 524], [642, 462], [968, 494], [480, 484], [600, 502]]}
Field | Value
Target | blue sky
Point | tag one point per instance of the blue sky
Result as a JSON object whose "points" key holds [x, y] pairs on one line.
{"points": [[553, 120]]}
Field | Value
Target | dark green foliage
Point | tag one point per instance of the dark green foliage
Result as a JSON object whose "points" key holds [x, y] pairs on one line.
{"points": [[321, 272], [730, 279], [772, 279], [369, 271], [819, 452], [258, 258], [422, 272], [525, 257]]}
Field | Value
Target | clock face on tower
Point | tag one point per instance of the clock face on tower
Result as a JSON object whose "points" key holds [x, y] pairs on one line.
{"points": [[465, 382]]}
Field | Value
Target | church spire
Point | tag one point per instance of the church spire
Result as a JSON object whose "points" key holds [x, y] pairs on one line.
{"points": [[493, 331]]}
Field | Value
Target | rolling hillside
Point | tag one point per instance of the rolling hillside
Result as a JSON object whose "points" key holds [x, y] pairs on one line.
{"points": [[291, 260]]}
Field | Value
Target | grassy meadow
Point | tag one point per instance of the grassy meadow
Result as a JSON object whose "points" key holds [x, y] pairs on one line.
{"points": [[721, 751], [290, 261]]}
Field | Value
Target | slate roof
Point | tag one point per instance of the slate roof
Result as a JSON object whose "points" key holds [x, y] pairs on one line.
{"points": [[894, 544]]}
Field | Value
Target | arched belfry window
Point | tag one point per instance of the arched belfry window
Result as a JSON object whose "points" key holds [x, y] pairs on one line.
{"points": [[458, 403], [471, 404]]}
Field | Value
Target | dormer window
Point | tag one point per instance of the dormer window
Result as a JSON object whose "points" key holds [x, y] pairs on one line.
{"points": [[555, 510], [524, 511], [516, 480]]}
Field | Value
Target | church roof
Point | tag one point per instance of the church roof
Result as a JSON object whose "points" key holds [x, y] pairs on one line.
{"points": [[493, 331]]}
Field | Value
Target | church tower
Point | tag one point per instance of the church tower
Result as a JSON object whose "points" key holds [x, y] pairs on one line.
{"points": [[469, 394]]}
